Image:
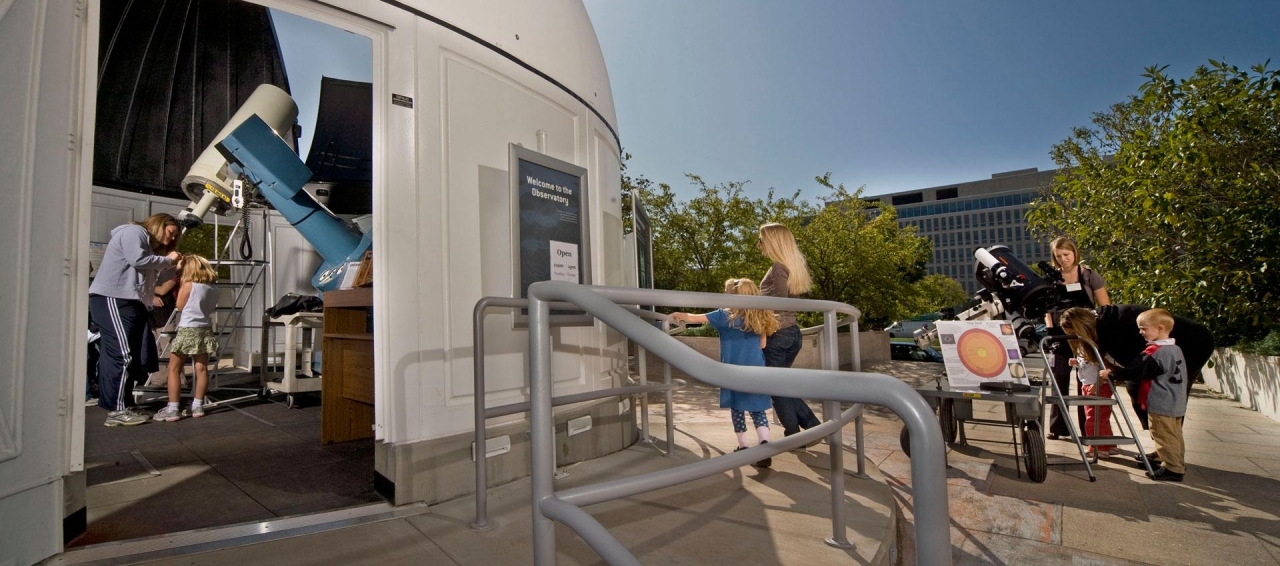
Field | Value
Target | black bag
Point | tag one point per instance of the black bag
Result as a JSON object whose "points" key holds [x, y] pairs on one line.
{"points": [[294, 303]]}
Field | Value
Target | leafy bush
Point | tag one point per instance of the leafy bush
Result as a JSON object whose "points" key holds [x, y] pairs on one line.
{"points": [[1266, 346], [701, 330]]}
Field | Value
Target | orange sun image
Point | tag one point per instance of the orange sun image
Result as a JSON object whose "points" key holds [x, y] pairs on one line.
{"points": [[982, 353]]}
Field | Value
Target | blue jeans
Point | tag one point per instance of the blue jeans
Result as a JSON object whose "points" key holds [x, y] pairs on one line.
{"points": [[780, 352]]}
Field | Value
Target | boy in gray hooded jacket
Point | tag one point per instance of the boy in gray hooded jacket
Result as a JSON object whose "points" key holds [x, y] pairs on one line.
{"points": [[1162, 370]]}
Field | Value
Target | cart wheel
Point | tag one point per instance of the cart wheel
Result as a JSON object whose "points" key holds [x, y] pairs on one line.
{"points": [[1033, 453], [904, 439], [288, 402], [264, 394], [946, 415]]}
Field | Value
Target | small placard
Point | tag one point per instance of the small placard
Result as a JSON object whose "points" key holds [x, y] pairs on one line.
{"points": [[401, 100], [564, 261]]}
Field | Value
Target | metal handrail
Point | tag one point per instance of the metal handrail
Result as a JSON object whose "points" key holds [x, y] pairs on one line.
{"points": [[483, 413], [928, 473], [855, 348]]}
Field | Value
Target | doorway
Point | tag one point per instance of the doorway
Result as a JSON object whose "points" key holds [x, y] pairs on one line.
{"points": [[260, 457]]}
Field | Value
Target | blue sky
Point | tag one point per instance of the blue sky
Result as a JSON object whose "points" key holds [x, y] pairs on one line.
{"points": [[312, 50], [891, 94]]}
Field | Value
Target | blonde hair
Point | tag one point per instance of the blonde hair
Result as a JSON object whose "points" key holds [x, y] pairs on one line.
{"points": [[197, 269], [779, 245], [1063, 243], [155, 225], [1157, 317], [1082, 322], [760, 321]]}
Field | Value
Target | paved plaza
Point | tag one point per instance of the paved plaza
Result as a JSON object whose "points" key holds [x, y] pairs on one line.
{"points": [[1226, 512]]}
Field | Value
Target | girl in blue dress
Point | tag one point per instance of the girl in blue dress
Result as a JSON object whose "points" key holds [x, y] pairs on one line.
{"points": [[742, 339]]}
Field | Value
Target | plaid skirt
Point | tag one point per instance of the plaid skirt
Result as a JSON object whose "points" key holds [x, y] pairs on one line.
{"points": [[193, 341]]}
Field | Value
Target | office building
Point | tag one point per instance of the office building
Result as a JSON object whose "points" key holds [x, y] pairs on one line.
{"points": [[964, 216]]}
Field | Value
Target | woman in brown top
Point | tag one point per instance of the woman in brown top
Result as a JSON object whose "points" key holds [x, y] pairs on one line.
{"points": [[1082, 287], [788, 277]]}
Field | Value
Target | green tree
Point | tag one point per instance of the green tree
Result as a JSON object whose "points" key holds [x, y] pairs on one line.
{"points": [[700, 243], [1175, 196], [936, 292], [857, 254]]}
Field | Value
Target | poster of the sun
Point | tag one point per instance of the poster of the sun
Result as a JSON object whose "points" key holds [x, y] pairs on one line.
{"points": [[979, 351]]}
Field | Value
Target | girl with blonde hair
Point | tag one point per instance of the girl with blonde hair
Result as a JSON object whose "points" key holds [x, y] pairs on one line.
{"points": [[198, 301], [1097, 418], [743, 333], [787, 277]]}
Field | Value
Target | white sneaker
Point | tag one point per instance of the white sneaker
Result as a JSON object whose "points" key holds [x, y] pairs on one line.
{"points": [[91, 402], [167, 414], [197, 411], [127, 417]]}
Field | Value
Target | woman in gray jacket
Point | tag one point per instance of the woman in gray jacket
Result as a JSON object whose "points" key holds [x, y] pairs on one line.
{"points": [[126, 278]]}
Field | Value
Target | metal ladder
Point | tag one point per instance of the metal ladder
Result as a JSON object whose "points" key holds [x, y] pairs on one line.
{"points": [[1065, 402]]}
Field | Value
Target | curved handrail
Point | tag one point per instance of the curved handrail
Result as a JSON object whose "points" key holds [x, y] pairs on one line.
{"points": [[927, 466], [481, 412]]}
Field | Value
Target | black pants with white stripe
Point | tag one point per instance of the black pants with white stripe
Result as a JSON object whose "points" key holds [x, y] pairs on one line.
{"points": [[122, 323]]}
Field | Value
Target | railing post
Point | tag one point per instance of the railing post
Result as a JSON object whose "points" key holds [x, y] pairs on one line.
{"points": [[482, 481], [855, 353], [666, 380], [644, 399], [831, 361], [542, 431]]}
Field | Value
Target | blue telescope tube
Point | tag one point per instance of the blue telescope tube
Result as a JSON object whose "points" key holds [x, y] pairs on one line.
{"points": [[266, 161]]}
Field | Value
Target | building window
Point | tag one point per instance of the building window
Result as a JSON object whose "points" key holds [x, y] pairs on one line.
{"points": [[944, 194], [909, 198]]}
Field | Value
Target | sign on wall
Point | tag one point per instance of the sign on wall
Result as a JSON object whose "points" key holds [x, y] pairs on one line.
{"points": [[551, 231]]}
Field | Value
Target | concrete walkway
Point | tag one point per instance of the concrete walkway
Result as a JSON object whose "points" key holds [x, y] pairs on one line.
{"points": [[1226, 511], [750, 515]]}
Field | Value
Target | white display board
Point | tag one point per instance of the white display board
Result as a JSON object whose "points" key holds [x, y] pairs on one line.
{"points": [[980, 351]]}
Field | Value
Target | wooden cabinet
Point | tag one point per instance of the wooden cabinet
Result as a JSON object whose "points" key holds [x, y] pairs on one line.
{"points": [[347, 398]]}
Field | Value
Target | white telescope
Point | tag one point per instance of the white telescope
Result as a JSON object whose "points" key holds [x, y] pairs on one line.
{"points": [[208, 181]]}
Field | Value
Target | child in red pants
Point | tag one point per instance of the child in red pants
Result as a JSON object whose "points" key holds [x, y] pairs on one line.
{"points": [[1097, 418]]}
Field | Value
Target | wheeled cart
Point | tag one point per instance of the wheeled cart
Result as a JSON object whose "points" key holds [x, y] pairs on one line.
{"points": [[301, 333], [1023, 415]]}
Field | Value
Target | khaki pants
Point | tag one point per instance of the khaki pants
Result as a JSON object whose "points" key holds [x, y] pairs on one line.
{"points": [[1167, 434]]}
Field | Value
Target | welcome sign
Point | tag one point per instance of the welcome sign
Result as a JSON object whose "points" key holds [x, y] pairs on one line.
{"points": [[550, 235]]}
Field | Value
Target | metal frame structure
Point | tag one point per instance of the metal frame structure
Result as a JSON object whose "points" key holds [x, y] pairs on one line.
{"points": [[928, 468], [483, 413], [1065, 402]]}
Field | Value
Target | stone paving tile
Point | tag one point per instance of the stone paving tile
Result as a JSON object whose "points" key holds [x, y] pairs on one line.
{"points": [[1246, 438], [1238, 464], [1160, 540], [1230, 449], [1217, 425], [382, 543], [1272, 544], [1269, 466], [984, 549], [1269, 429]]}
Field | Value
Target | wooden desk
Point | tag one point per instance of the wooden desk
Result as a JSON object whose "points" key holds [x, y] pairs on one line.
{"points": [[347, 396]]}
